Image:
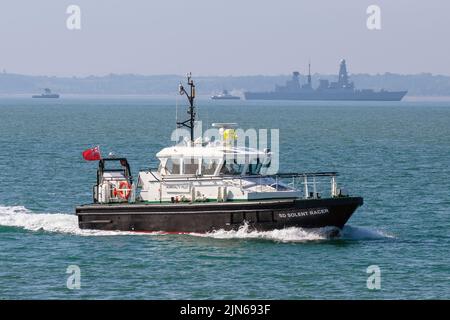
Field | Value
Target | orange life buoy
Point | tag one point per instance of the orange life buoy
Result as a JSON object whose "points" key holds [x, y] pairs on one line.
{"points": [[124, 190]]}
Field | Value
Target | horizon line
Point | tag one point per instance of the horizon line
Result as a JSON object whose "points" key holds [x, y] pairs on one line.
{"points": [[4, 72]]}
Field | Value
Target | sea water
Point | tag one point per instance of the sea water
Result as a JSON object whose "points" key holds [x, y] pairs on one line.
{"points": [[394, 154]]}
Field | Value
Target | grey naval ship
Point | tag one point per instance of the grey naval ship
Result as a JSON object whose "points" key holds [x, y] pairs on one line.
{"points": [[342, 90], [47, 94], [203, 185]]}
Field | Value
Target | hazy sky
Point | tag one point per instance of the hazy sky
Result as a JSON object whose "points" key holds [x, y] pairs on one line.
{"points": [[223, 37]]}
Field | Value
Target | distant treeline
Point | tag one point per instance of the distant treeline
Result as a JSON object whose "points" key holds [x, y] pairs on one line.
{"points": [[423, 84]]}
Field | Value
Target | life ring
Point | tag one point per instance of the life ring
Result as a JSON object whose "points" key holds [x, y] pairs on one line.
{"points": [[123, 191]]}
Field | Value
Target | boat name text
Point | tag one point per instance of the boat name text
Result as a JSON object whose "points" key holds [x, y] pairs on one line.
{"points": [[303, 213]]}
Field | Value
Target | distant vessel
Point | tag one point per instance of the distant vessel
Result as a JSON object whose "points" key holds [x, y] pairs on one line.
{"points": [[225, 96], [343, 89], [47, 94]]}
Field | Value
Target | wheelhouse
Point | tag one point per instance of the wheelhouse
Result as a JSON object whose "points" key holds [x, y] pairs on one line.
{"points": [[212, 161]]}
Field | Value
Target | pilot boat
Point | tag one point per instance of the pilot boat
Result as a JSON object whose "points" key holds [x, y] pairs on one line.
{"points": [[201, 186]]}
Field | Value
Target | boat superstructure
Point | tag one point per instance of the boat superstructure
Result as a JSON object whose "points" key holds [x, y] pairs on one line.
{"points": [[205, 184]]}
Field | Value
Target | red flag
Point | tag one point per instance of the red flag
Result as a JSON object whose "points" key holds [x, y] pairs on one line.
{"points": [[92, 154]]}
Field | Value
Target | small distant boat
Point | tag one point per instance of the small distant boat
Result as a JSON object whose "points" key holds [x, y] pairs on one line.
{"points": [[225, 96], [47, 94]]}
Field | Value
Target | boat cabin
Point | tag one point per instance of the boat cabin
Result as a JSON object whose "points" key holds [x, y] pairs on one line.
{"points": [[213, 158], [211, 171], [211, 161]]}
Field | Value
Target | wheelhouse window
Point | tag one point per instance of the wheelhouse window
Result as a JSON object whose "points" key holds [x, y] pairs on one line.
{"points": [[209, 166], [173, 166], [190, 165]]}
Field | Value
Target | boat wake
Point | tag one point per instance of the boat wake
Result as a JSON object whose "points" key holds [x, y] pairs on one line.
{"points": [[21, 217], [294, 234]]}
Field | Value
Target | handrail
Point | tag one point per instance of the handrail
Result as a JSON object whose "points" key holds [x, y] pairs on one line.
{"points": [[255, 176], [237, 180]]}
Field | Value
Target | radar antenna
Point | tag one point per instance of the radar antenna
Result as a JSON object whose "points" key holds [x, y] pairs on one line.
{"points": [[189, 123]]}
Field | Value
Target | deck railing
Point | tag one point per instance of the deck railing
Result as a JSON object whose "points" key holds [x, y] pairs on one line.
{"points": [[310, 184]]}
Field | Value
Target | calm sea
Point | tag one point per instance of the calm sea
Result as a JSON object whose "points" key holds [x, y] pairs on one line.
{"points": [[395, 155]]}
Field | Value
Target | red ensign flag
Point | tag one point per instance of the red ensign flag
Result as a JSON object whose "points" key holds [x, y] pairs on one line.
{"points": [[92, 154]]}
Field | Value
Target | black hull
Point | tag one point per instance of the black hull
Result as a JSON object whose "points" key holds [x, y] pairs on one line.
{"points": [[206, 217]]}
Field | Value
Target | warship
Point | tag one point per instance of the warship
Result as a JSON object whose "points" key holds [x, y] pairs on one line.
{"points": [[47, 94], [202, 185], [342, 90]]}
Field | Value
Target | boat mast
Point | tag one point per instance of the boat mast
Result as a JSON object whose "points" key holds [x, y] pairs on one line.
{"points": [[189, 123]]}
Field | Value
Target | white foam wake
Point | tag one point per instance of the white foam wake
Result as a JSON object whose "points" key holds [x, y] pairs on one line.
{"points": [[292, 234], [295, 234], [21, 217]]}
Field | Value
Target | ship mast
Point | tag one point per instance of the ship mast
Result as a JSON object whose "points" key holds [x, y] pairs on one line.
{"points": [[189, 123], [309, 74], [343, 75]]}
